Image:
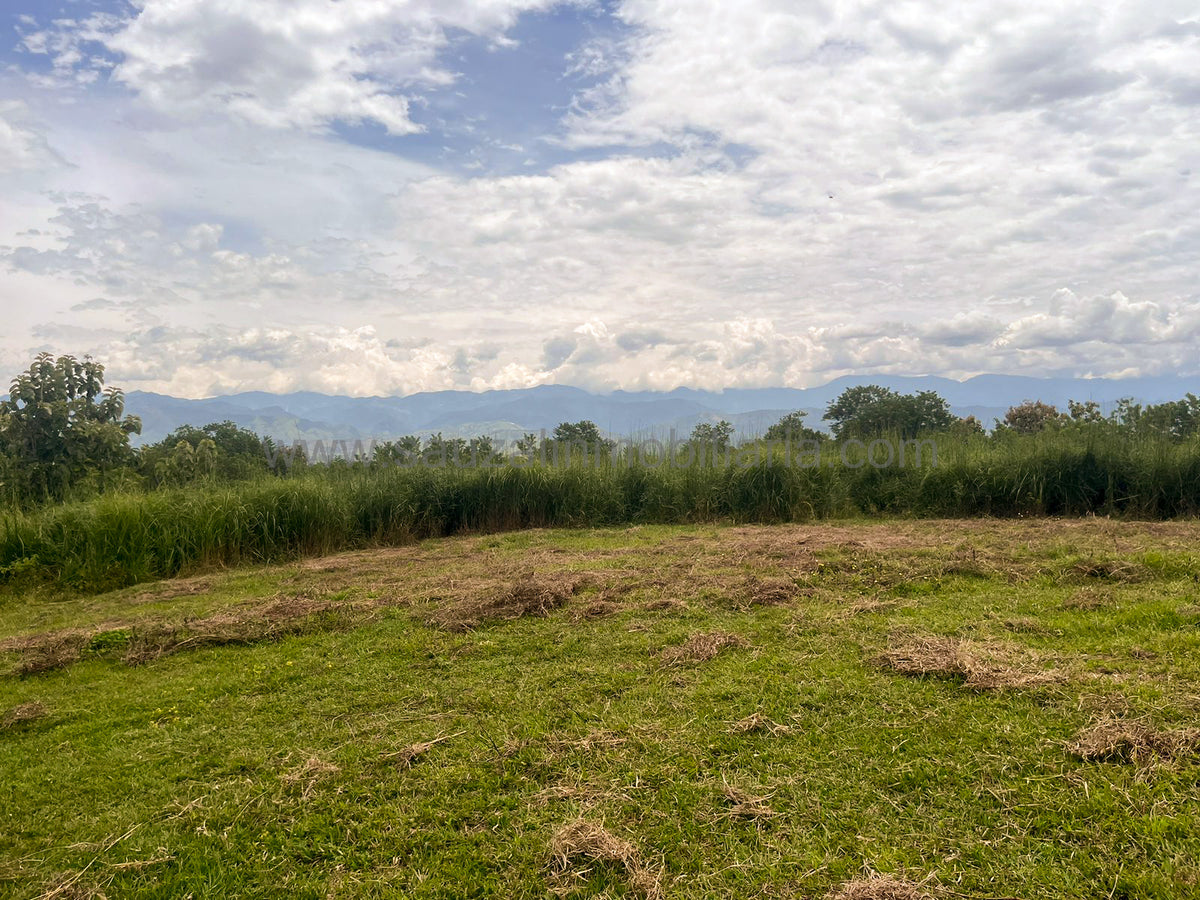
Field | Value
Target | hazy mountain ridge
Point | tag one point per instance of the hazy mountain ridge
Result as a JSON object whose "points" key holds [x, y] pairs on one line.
{"points": [[307, 415]]}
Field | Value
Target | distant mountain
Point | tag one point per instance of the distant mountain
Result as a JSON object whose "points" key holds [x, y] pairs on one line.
{"points": [[508, 414]]}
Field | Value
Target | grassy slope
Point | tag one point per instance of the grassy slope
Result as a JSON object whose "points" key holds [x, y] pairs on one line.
{"points": [[245, 770]]}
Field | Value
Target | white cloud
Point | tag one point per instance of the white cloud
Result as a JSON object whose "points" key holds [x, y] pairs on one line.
{"points": [[23, 146], [770, 194], [275, 63]]}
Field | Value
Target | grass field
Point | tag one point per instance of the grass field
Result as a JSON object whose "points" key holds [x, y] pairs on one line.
{"points": [[877, 709]]}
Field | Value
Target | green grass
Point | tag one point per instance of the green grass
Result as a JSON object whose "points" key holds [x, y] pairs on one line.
{"points": [[273, 767], [126, 538]]}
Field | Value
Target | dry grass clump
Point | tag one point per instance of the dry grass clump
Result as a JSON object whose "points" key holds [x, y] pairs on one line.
{"points": [[597, 740], [23, 714], [47, 652], [580, 845], [282, 617], [981, 668], [598, 609], [408, 756], [756, 722], [878, 887], [743, 805], [1103, 570], [308, 774], [700, 648], [1113, 739], [528, 595], [768, 591], [1089, 598]]}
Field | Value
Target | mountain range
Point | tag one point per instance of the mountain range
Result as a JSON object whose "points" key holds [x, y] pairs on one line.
{"points": [[510, 413]]}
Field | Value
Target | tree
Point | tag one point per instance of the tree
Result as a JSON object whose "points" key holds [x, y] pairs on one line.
{"points": [[1087, 413], [527, 445], [1175, 418], [60, 425], [791, 428], [583, 435], [712, 438], [187, 463], [869, 411], [1032, 416], [236, 454]]}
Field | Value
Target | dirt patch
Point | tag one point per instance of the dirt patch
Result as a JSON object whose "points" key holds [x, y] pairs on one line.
{"points": [[975, 665], [1128, 741], [579, 846], [23, 715], [528, 595], [700, 648], [878, 887]]}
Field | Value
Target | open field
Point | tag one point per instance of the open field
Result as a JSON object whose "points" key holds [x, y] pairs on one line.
{"points": [[884, 709]]}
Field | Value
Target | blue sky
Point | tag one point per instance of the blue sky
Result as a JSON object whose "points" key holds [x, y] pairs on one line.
{"points": [[383, 197]]}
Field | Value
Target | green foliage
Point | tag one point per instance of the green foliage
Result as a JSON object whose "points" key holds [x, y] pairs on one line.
{"points": [[120, 539], [584, 433], [60, 426], [219, 451], [870, 411], [791, 428], [713, 437], [1033, 416]]}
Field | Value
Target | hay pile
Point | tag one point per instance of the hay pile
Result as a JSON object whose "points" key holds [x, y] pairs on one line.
{"points": [[528, 595], [984, 668], [700, 648], [580, 845], [1127, 741]]}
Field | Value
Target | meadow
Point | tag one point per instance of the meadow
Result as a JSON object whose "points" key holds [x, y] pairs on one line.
{"points": [[843, 709]]}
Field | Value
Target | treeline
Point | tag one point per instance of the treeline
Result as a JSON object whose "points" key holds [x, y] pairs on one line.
{"points": [[64, 435]]}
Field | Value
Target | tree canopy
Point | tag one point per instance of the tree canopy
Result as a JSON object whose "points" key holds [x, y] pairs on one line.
{"points": [[869, 411], [60, 426]]}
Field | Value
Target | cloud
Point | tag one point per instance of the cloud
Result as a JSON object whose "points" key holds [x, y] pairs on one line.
{"points": [[274, 63], [23, 147], [743, 194]]}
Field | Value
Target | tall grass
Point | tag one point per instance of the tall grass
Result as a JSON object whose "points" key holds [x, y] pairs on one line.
{"points": [[124, 538]]}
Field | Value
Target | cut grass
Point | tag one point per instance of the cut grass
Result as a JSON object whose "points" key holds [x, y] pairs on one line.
{"points": [[1119, 740], [384, 756]]}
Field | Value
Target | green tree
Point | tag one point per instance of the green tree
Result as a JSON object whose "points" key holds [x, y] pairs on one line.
{"points": [[571, 437], [1085, 413], [712, 437], [236, 454], [1176, 418], [1032, 416], [791, 428], [869, 411], [527, 445], [60, 425]]}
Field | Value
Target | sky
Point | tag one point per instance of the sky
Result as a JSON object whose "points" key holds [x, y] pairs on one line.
{"points": [[379, 197]]}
